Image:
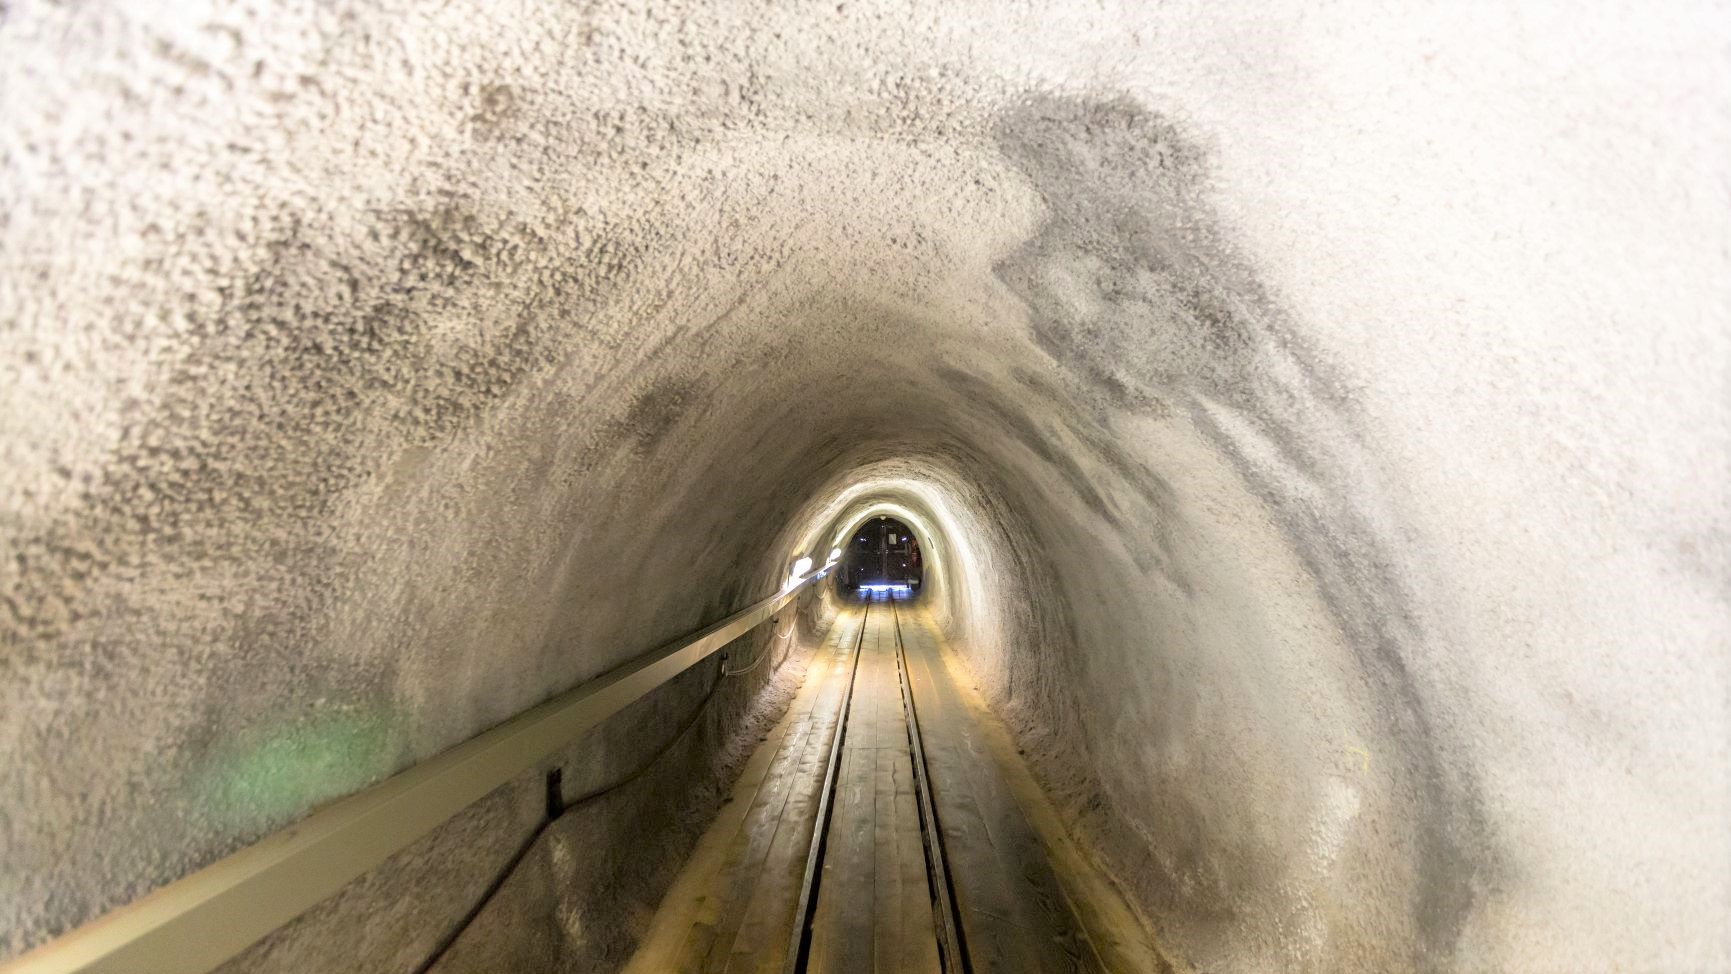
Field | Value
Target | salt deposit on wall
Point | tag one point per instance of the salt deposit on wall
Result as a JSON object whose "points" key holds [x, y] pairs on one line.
{"points": [[1324, 409]]}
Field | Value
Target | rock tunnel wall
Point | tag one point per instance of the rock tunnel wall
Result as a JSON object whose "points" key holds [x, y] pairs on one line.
{"points": [[1322, 410]]}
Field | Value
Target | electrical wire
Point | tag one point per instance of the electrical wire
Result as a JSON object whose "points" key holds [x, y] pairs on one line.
{"points": [[498, 882], [764, 654]]}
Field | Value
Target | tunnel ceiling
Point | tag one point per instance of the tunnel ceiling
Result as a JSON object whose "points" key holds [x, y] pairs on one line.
{"points": [[1316, 415]]}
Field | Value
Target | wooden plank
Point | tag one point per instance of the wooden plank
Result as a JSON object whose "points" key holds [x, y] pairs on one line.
{"points": [[875, 905], [694, 915], [683, 928], [909, 938], [888, 922], [1018, 896], [863, 904], [766, 921], [1122, 942], [1013, 912], [842, 940], [733, 884], [945, 920]]}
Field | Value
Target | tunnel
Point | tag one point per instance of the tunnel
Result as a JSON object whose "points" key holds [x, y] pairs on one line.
{"points": [[1312, 420], [880, 554]]}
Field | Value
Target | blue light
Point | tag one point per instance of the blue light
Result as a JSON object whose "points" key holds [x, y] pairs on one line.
{"points": [[883, 588]]}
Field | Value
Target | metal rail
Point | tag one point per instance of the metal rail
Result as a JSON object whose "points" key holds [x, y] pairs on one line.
{"points": [[197, 922], [799, 946], [937, 871], [951, 952]]}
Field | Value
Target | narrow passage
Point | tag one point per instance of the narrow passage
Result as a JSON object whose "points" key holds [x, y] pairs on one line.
{"points": [[827, 860]]}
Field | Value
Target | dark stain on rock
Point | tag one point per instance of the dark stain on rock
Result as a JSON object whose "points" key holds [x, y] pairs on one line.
{"points": [[322, 354], [985, 396], [266, 418], [1124, 191], [1039, 384], [655, 411], [496, 111], [1134, 286]]}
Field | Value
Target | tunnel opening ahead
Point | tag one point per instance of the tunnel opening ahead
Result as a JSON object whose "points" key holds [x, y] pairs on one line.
{"points": [[881, 555]]}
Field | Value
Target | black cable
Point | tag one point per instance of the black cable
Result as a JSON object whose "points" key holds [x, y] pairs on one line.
{"points": [[768, 648], [450, 939], [659, 753]]}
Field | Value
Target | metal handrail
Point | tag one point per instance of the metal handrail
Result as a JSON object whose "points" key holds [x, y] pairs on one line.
{"points": [[197, 922]]}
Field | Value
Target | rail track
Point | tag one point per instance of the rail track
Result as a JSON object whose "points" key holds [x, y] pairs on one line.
{"points": [[952, 952]]}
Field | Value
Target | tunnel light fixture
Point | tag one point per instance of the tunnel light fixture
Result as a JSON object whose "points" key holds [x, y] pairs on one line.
{"points": [[794, 577], [834, 555]]}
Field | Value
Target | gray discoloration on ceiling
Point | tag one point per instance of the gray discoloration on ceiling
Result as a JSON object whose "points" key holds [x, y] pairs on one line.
{"points": [[1135, 286], [1319, 421]]}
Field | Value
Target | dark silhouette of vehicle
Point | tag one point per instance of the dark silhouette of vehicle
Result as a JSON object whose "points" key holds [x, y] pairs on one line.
{"points": [[882, 553]]}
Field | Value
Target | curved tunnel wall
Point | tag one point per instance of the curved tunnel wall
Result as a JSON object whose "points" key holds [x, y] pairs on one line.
{"points": [[1329, 466]]}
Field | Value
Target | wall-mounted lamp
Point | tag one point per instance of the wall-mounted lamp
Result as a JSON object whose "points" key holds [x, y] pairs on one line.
{"points": [[800, 567]]}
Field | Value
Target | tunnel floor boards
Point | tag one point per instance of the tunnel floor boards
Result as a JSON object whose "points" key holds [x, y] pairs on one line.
{"points": [[735, 898], [735, 906], [1013, 911], [874, 912]]}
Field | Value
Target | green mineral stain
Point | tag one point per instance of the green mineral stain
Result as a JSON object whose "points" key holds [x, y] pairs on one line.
{"points": [[281, 774]]}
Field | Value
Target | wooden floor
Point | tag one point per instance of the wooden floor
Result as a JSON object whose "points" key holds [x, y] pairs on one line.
{"points": [[735, 907], [1013, 913]]}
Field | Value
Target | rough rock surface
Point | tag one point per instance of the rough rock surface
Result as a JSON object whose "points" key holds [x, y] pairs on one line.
{"points": [[1320, 414]]}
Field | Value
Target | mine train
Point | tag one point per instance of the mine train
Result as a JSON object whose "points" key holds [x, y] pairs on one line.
{"points": [[882, 554]]}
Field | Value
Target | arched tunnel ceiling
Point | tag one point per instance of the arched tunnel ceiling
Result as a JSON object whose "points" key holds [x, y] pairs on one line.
{"points": [[1319, 414]]}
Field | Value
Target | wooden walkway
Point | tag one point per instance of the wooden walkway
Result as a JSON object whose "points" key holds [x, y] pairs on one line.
{"points": [[873, 906]]}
